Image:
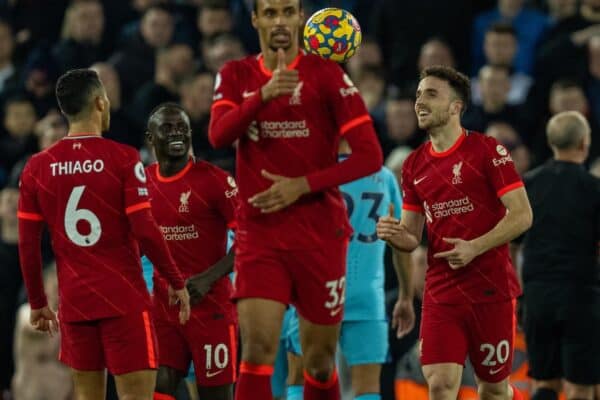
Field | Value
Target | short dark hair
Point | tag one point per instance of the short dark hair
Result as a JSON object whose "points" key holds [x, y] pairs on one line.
{"points": [[255, 6], [458, 81], [17, 98], [214, 5], [74, 90], [502, 28], [566, 83], [168, 105]]}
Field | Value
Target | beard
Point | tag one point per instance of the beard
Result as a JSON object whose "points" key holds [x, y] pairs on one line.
{"points": [[436, 120]]}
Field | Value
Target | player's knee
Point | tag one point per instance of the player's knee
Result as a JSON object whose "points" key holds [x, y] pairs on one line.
{"points": [[259, 350], [441, 385], [319, 365], [493, 390]]}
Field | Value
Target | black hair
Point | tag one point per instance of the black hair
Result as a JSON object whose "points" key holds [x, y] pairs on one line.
{"points": [[168, 105], [502, 28], [255, 6], [75, 89]]}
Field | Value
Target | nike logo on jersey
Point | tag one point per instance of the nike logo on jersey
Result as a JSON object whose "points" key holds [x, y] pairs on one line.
{"points": [[417, 181], [247, 94], [211, 374], [495, 371], [335, 312]]}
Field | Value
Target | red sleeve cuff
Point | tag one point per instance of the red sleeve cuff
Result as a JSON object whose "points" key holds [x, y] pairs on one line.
{"points": [[412, 207], [37, 303], [354, 123], [221, 103], [509, 188]]}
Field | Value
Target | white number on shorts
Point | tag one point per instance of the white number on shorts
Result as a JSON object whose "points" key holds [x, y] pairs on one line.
{"points": [[501, 352], [73, 215], [220, 356], [337, 292]]}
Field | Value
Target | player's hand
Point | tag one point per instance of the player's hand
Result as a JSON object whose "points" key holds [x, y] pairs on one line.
{"points": [[283, 192], [283, 81], [44, 320], [388, 225], [198, 285], [182, 298], [403, 317], [463, 253]]}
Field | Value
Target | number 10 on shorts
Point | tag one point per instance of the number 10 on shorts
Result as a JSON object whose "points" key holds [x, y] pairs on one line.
{"points": [[218, 354], [337, 295]]}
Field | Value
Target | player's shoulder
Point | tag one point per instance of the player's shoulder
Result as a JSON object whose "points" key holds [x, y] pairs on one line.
{"points": [[207, 169], [416, 155], [248, 62], [386, 173], [313, 62], [479, 138]]}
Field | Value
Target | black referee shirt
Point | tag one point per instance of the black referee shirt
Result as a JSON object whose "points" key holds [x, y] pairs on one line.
{"points": [[560, 251]]}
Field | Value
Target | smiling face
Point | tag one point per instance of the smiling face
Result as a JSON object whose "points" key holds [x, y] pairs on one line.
{"points": [[278, 23], [170, 134], [436, 103]]}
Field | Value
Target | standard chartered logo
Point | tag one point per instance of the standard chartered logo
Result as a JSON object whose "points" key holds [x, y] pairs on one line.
{"points": [[448, 208], [284, 129], [179, 232]]}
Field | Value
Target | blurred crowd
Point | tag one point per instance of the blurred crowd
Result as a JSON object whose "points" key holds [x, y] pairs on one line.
{"points": [[528, 59]]}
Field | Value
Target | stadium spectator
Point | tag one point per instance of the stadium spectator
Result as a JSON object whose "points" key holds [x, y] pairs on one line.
{"points": [[494, 82], [368, 54], [81, 44], [560, 266], [401, 127], [435, 51], [19, 138], [38, 373], [214, 17], [135, 61], [528, 23], [121, 127], [500, 48], [220, 49], [371, 85], [9, 74]]}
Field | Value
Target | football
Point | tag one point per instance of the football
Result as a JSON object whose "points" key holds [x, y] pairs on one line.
{"points": [[332, 33]]}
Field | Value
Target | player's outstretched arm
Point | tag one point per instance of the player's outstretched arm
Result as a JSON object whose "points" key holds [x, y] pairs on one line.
{"points": [[200, 284], [516, 221]]}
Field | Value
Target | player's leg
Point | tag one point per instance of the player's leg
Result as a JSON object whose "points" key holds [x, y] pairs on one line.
{"points": [[295, 380], [260, 324], [543, 351], [81, 349], [131, 352], [214, 349], [319, 281], [174, 355], [262, 287], [491, 346], [580, 353], [89, 385], [365, 346], [443, 348]]}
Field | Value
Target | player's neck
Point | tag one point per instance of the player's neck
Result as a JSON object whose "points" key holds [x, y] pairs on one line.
{"points": [[89, 128], [444, 137], [270, 57], [172, 167], [572, 156]]}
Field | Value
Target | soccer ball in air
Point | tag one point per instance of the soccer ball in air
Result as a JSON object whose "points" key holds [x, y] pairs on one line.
{"points": [[332, 33]]}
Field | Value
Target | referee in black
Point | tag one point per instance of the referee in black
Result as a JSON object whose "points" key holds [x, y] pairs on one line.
{"points": [[560, 273]]}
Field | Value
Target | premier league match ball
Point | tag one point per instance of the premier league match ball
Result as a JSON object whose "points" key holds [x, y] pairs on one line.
{"points": [[332, 33]]}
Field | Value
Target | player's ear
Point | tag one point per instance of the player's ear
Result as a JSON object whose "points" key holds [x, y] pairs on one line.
{"points": [[148, 137], [254, 20]]}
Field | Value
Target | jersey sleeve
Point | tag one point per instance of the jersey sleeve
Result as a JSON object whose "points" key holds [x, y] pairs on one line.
{"points": [[29, 208], [410, 198], [395, 197], [345, 101], [134, 184], [227, 89], [500, 168], [226, 197]]}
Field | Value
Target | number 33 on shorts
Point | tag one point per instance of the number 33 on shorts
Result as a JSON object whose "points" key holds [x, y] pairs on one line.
{"points": [[337, 295]]}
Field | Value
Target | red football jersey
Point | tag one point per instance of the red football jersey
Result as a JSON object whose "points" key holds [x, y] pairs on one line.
{"points": [[459, 192], [193, 209], [83, 187], [292, 135]]}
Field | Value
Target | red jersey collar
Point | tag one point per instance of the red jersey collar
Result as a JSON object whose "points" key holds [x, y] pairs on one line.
{"points": [[80, 135], [175, 177], [269, 73], [452, 148]]}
